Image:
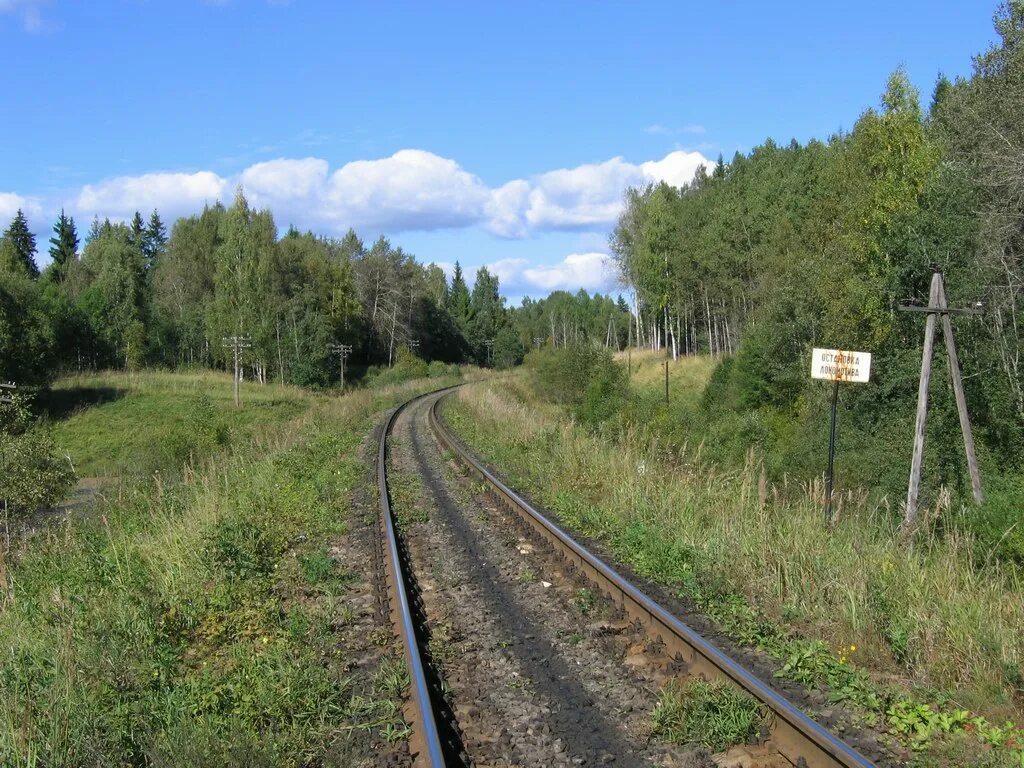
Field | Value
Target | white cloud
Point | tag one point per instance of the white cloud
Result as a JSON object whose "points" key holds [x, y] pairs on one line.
{"points": [[584, 196], [10, 204], [508, 271], [592, 271], [283, 181], [676, 168], [173, 194], [504, 211], [412, 190]]}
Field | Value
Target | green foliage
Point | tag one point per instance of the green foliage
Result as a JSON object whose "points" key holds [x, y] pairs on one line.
{"points": [[22, 244], [406, 368], [27, 335], [64, 243], [585, 378], [195, 623], [713, 714], [35, 476]]}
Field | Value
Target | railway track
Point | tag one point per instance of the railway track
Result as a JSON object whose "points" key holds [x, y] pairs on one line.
{"points": [[795, 739]]}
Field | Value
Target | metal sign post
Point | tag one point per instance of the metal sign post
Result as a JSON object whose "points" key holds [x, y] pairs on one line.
{"points": [[837, 365]]}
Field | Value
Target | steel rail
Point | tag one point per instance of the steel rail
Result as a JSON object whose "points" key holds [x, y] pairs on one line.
{"points": [[425, 741], [795, 735]]}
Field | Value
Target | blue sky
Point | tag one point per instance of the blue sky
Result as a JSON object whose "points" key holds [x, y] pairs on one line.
{"points": [[492, 133]]}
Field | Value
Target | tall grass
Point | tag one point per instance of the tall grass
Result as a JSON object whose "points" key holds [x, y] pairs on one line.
{"points": [[195, 622], [928, 615]]}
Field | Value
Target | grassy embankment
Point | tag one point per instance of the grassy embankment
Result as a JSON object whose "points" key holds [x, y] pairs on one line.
{"points": [[194, 617], [920, 638]]}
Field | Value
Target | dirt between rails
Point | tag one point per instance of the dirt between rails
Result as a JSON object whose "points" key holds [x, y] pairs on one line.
{"points": [[875, 744], [535, 674]]}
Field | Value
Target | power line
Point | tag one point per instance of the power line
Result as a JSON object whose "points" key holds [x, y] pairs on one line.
{"points": [[342, 351]]}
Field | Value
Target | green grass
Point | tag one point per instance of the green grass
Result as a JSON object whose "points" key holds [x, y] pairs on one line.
{"points": [[136, 423], [195, 622], [875, 623], [712, 714]]}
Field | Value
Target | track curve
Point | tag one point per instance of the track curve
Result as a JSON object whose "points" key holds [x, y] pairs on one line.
{"points": [[796, 737]]}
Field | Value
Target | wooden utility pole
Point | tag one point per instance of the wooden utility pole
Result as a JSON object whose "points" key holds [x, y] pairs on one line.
{"points": [[489, 343], [237, 344], [666, 382], [937, 306], [342, 351], [537, 341]]}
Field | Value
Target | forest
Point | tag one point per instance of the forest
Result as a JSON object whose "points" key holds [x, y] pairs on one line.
{"points": [[793, 246]]}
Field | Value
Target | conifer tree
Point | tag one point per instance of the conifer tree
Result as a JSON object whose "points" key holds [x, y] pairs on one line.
{"points": [[138, 230], [64, 243], [154, 239], [24, 244]]}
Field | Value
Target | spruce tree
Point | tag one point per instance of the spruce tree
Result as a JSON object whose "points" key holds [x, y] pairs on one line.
{"points": [[459, 300], [154, 239], [24, 242], [64, 243], [138, 231]]}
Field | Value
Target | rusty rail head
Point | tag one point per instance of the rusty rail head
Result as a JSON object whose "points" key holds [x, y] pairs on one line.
{"points": [[796, 736]]}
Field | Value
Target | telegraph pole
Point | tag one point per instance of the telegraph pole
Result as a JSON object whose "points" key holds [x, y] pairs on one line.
{"points": [[537, 341], [342, 351], [414, 344], [938, 307], [489, 343], [237, 344]]}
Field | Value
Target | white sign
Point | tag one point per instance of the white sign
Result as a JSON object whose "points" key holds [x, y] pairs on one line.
{"points": [[840, 365]]}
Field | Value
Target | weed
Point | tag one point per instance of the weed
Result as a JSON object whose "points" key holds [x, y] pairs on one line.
{"points": [[713, 714], [585, 600], [317, 566]]}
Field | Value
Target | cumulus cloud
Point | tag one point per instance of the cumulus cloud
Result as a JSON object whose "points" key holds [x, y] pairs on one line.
{"points": [[584, 196], [591, 271], [283, 181], [676, 168], [412, 190], [173, 194], [10, 204]]}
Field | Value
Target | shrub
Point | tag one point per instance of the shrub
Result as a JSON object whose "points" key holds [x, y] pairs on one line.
{"points": [[34, 475], [407, 367], [585, 378]]}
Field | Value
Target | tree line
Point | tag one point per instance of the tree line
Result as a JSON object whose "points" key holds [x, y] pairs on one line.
{"points": [[136, 295], [819, 244]]}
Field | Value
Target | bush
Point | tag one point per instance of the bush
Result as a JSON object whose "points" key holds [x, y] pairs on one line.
{"points": [[438, 370], [407, 367], [34, 476], [586, 379]]}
